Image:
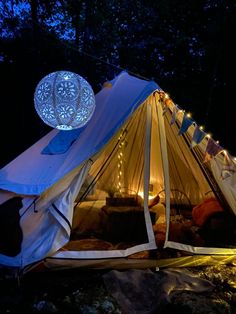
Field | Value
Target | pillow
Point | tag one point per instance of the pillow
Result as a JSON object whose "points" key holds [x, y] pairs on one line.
{"points": [[205, 210]]}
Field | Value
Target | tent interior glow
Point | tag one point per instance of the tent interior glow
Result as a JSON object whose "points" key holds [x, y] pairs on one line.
{"points": [[64, 100]]}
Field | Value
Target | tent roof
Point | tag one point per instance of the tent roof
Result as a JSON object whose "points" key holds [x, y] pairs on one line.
{"points": [[33, 172]]}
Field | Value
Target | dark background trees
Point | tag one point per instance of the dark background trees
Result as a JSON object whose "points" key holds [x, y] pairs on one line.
{"points": [[185, 46]]}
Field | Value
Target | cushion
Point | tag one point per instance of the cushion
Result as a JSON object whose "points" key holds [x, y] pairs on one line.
{"points": [[205, 210]]}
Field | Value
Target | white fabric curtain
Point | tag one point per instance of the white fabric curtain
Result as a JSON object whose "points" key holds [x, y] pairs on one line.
{"points": [[227, 185], [46, 226]]}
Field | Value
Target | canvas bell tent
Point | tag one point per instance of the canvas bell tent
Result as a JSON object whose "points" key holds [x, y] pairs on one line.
{"points": [[140, 184]]}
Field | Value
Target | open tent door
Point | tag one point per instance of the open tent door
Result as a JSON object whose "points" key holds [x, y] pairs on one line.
{"points": [[111, 216]]}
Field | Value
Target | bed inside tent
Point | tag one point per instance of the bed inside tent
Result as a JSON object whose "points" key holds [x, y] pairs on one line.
{"points": [[153, 194]]}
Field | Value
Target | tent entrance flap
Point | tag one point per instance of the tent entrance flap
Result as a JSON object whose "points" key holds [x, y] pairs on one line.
{"points": [[110, 216]]}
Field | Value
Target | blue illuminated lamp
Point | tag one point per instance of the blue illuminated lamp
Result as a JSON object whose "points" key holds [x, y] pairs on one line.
{"points": [[64, 100]]}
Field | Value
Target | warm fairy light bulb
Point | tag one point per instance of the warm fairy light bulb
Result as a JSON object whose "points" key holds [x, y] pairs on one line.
{"points": [[141, 194], [189, 115], [166, 96], [201, 127]]}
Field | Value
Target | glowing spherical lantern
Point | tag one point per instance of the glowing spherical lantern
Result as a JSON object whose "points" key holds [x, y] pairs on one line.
{"points": [[64, 100]]}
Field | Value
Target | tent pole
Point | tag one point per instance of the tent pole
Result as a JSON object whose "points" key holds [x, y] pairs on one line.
{"points": [[151, 237], [165, 162]]}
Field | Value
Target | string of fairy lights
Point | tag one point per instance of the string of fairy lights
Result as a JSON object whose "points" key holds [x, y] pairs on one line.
{"points": [[176, 110], [120, 161]]}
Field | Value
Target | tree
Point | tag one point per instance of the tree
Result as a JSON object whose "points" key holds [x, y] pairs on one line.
{"points": [[186, 47]]}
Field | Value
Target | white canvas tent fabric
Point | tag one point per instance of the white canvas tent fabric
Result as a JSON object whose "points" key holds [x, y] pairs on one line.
{"points": [[156, 157], [27, 175]]}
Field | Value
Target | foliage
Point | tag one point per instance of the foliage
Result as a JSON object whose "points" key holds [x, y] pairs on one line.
{"points": [[185, 46]]}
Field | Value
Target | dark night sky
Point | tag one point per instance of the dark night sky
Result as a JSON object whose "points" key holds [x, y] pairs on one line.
{"points": [[186, 47]]}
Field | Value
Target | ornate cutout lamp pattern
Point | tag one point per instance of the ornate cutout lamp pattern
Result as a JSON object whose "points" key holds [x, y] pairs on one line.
{"points": [[64, 100]]}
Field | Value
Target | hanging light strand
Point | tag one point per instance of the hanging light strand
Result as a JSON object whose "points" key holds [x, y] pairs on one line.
{"points": [[120, 162]]}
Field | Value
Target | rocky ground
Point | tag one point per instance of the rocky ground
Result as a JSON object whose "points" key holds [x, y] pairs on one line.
{"points": [[85, 291]]}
